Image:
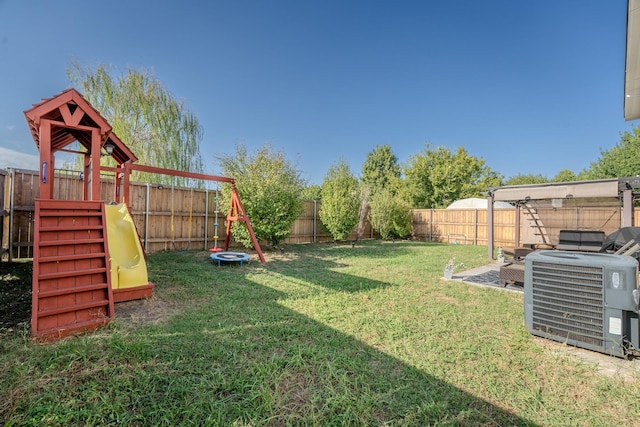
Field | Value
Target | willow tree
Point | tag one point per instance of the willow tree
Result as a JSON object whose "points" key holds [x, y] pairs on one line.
{"points": [[157, 127]]}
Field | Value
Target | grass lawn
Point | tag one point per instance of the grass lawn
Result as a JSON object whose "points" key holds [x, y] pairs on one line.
{"points": [[323, 334]]}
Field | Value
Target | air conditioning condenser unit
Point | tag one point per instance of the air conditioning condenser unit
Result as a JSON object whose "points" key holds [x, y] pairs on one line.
{"points": [[588, 300]]}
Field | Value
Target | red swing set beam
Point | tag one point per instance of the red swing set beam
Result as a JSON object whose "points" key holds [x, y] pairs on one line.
{"points": [[236, 211]]}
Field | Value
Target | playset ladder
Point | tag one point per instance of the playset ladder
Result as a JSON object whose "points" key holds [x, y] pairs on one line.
{"points": [[71, 286]]}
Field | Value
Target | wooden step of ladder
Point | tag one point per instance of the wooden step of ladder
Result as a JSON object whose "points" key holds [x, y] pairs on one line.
{"points": [[532, 214], [71, 286]]}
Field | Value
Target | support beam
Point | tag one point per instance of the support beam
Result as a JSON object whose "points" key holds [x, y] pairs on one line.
{"points": [[71, 119], [86, 173], [627, 208], [46, 160], [94, 186], [517, 231], [490, 226], [236, 212]]}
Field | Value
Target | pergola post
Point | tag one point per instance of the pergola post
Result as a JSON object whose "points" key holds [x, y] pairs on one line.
{"points": [[490, 226], [627, 208], [517, 224]]}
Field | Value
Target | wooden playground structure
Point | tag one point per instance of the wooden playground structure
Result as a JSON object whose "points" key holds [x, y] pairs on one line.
{"points": [[74, 269]]}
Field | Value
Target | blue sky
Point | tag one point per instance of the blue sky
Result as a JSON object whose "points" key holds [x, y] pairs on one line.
{"points": [[529, 86]]}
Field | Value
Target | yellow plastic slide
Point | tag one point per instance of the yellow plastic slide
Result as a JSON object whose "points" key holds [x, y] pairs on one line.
{"points": [[128, 267]]}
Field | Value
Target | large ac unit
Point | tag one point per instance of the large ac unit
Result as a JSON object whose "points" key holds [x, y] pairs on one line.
{"points": [[588, 300]]}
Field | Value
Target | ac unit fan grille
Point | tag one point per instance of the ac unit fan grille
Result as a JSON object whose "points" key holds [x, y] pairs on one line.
{"points": [[568, 301]]}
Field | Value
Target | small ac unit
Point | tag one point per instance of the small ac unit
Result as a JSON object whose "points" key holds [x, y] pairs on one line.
{"points": [[588, 300]]}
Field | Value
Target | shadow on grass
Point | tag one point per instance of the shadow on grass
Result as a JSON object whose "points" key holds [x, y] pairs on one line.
{"points": [[238, 357], [321, 264], [273, 366], [323, 273], [366, 248]]}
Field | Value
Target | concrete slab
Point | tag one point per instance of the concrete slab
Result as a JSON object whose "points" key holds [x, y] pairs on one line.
{"points": [[486, 275]]}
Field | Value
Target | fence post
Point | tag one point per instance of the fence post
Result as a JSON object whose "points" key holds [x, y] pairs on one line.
{"points": [[146, 219], [431, 224], [12, 177], [315, 204], [475, 227], [206, 217]]}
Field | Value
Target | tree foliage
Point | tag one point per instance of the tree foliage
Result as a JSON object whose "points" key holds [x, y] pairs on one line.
{"points": [[269, 187], [390, 215], [565, 175], [311, 192], [620, 161], [158, 128], [437, 177], [380, 168], [364, 210], [523, 179], [340, 201]]}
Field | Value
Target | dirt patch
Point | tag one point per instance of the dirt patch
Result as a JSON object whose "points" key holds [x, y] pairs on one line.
{"points": [[15, 295], [15, 301], [149, 310], [606, 365], [15, 298]]}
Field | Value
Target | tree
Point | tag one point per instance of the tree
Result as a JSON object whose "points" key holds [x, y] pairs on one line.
{"points": [[364, 194], [380, 168], [565, 175], [269, 188], [522, 179], [618, 162], [340, 201], [390, 215], [159, 129], [438, 177], [380, 171], [311, 192]]}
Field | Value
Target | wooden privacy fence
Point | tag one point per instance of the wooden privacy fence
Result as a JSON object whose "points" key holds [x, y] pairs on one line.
{"points": [[167, 217], [180, 218], [469, 226]]}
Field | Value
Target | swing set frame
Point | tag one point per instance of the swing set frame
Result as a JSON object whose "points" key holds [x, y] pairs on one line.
{"points": [[236, 211], [71, 280]]}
